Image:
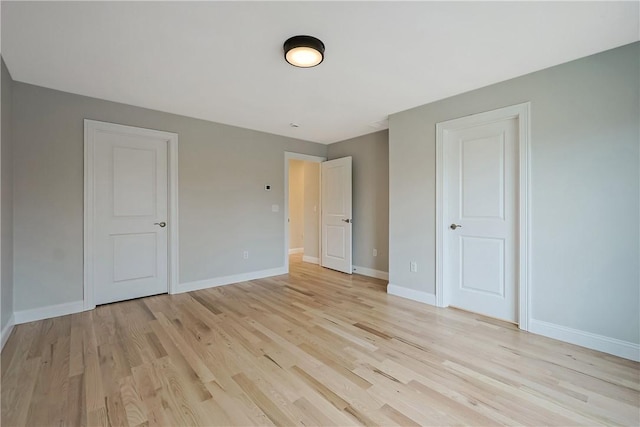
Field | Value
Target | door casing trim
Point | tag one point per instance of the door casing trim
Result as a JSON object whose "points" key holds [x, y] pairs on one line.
{"points": [[90, 127], [521, 112]]}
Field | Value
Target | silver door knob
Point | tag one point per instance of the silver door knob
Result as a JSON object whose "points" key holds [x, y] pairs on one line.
{"points": [[346, 220], [454, 226], [161, 224]]}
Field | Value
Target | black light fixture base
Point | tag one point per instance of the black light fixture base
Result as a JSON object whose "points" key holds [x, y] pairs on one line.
{"points": [[302, 41]]}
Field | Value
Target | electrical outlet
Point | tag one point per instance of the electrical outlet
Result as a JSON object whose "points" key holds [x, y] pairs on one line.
{"points": [[245, 255], [413, 267], [375, 252]]}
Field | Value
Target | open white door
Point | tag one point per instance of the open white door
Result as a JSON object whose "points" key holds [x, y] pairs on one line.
{"points": [[336, 215]]}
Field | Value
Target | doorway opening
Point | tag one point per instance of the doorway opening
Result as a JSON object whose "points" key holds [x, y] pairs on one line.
{"points": [[304, 214], [302, 207]]}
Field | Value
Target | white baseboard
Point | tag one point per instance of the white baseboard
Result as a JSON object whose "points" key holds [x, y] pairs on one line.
{"points": [[411, 294], [25, 316], [602, 343], [48, 312], [6, 331], [296, 251], [228, 280], [311, 259], [371, 272]]}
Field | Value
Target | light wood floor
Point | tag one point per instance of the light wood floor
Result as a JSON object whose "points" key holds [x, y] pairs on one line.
{"points": [[315, 347]]}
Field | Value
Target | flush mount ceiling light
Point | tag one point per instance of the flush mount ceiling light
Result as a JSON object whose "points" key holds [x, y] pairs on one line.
{"points": [[303, 51]]}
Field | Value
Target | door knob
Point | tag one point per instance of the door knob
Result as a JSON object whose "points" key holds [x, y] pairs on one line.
{"points": [[161, 224], [454, 226], [346, 220]]}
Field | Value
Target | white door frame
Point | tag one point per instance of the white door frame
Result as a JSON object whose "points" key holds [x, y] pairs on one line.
{"points": [[91, 126], [521, 112], [307, 158]]}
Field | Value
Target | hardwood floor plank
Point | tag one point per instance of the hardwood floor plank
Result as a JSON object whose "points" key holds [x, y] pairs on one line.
{"points": [[116, 414], [134, 407], [333, 362], [98, 417], [130, 334], [398, 417], [214, 414], [94, 391], [176, 361], [313, 416], [195, 363], [241, 411], [17, 346], [315, 347], [268, 406], [17, 391], [178, 396], [205, 302], [76, 407], [323, 390], [76, 353]]}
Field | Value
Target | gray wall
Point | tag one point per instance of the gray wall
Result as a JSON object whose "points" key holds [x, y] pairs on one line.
{"points": [[7, 199], [370, 196], [224, 209], [311, 209], [585, 189]]}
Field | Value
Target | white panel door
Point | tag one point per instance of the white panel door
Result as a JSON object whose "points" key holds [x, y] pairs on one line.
{"points": [[130, 217], [336, 215], [480, 211]]}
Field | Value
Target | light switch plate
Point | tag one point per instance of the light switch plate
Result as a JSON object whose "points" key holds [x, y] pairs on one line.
{"points": [[275, 208]]}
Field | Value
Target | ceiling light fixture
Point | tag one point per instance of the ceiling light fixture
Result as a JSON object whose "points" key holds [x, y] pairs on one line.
{"points": [[303, 51]]}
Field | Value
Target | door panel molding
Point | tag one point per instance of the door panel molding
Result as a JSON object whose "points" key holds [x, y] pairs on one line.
{"points": [[521, 113], [91, 127]]}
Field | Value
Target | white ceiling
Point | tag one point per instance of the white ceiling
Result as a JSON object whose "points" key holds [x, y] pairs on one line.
{"points": [[223, 61]]}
